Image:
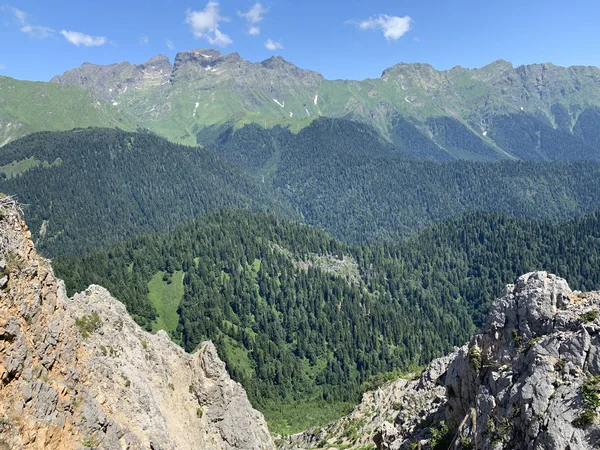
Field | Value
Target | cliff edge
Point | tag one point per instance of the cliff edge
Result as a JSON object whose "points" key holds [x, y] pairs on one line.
{"points": [[80, 373]]}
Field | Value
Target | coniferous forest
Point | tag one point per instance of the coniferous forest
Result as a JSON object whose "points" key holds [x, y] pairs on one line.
{"points": [[320, 263], [300, 316], [101, 185]]}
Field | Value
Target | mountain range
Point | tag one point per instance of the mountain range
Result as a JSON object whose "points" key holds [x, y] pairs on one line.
{"points": [[534, 112], [326, 235]]}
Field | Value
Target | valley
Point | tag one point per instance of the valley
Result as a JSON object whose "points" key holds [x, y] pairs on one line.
{"points": [[285, 323], [309, 248]]}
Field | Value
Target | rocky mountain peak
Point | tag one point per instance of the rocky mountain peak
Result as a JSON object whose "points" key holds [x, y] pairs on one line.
{"points": [[276, 61], [158, 62], [417, 75], [80, 372], [499, 63], [204, 57], [196, 66], [495, 71], [525, 372], [408, 69], [112, 81], [199, 54]]}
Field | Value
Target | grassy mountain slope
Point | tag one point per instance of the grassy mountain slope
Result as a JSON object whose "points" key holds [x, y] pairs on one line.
{"points": [[485, 107], [201, 88], [27, 107]]}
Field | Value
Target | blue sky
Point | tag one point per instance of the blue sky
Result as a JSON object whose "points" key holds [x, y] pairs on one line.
{"points": [[340, 39]]}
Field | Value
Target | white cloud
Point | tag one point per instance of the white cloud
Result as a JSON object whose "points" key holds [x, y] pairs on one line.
{"points": [[2, 67], [33, 31], [78, 39], [144, 40], [205, 24], [20, 15], [37, 31], [272, 45], [170, 45], [219, 39], [393, 27], [254, 15]]}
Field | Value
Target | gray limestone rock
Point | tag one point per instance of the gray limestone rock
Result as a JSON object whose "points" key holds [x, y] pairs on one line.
{"points": [[536, 355]]}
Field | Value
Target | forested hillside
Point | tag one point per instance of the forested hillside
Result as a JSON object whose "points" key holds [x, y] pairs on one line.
{"points": [[101, 185], [297, 315], [301, 317], [343, 177], [90, 187], [479, 253]]}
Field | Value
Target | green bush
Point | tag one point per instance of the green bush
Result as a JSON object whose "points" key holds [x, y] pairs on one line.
{"points": [[475, 358], [589, 316], [466, 443], [586, 418], [441, 437], [590, 394], [517, 339], [88, 324]]}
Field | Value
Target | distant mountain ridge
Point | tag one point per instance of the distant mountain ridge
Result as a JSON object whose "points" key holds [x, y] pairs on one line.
{"points": [[27, 107], [531, 112]]}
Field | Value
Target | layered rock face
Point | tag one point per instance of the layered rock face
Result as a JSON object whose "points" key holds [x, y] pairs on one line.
{"points": [[529, 380], [79, 373]]}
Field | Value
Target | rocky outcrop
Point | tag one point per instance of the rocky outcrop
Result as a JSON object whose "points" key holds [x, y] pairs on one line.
{"points": [[529, 380], [393, 412], [79, 373], [112, 81]]}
